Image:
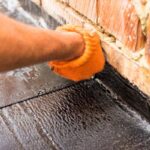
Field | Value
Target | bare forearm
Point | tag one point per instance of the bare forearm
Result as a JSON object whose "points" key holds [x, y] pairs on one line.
{"points": [[23, 45]]}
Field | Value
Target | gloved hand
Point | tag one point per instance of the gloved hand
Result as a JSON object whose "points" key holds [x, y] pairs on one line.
{"points": [[91, 62]]}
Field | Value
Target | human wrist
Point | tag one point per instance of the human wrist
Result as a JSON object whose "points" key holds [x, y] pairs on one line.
{"points": [[73, 45]]}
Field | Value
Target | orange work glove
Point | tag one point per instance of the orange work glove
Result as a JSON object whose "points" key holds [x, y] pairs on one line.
{"points": [[91, 62]]}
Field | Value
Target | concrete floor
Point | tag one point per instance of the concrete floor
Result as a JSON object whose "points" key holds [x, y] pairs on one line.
{"points": [[39, 110]]}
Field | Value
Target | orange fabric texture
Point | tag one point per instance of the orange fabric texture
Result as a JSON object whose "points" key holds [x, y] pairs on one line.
{"points": [[91, 62]]}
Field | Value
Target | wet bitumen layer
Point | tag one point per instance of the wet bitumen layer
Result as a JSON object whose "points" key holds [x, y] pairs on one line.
{"points": [[40, 110]]}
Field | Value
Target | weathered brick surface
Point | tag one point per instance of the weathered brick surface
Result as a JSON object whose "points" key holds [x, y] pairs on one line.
{"points": [[116, 16], [85, 7], [120, 19], [147, 47]]}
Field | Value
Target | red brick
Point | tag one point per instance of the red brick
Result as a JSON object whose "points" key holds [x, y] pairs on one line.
{"points": [[119, 18]]}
